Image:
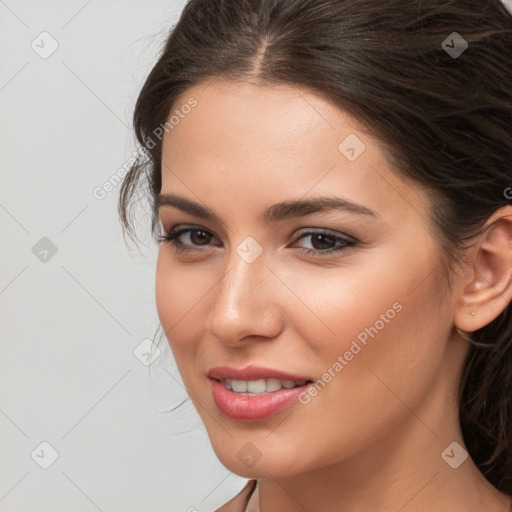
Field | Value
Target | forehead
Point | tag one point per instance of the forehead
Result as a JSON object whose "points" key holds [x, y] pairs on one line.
{"points": [[255, 119], [261, 143]]}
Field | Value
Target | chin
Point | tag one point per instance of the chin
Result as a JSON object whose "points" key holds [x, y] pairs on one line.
{"points": [[249, 457]]}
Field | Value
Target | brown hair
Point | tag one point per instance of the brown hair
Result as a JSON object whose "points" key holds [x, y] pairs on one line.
{"points": [[445, 120]]}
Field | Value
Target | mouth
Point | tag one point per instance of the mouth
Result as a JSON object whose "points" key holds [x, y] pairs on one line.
{"points": [[255, 393], [260, 386]]}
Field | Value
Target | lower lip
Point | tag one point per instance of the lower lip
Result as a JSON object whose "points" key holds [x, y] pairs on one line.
{"points": [[253, 408]]}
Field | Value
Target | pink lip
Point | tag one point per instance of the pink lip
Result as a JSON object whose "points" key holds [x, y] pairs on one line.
{"points": [[258, 407], [253, 408], [252, 372]]}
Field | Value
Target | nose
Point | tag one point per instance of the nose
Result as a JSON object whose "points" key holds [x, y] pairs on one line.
{"points": [[246, 303]]}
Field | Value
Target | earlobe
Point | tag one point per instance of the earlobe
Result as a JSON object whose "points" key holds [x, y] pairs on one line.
{"points": [[488, 288]]}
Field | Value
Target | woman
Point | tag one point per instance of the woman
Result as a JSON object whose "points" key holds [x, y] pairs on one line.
{"points": [[331, 180]]}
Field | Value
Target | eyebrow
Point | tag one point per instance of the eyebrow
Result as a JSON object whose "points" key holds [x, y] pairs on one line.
{"points": [[275, 213]]}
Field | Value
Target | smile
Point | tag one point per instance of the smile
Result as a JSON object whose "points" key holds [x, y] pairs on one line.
{"points": [[255, 400], [260, 386]]}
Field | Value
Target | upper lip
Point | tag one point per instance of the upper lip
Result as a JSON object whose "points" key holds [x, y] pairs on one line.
{"points": [[252, 372]]}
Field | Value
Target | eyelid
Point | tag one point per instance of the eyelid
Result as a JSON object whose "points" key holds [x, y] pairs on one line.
{"points": [[325, 231], [184, 228]]}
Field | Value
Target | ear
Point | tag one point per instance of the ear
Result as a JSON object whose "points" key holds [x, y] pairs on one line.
{"points": [[487, 286]]}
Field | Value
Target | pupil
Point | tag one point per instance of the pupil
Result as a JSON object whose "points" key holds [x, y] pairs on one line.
{"points": [[322, 236], [204, 237]]}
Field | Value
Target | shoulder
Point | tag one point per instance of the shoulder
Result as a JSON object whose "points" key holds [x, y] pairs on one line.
{"points": [[239, 502]]}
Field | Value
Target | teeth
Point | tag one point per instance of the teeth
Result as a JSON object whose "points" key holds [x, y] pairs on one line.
{"points": [[239, 386], [273, 385], [257, 386], [260, 386]]}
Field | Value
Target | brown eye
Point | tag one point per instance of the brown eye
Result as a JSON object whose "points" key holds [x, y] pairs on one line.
{"points": [[197, 236], [325, 243]]}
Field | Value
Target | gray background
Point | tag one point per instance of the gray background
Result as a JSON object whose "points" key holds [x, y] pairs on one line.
{"points": [[77, 304]]}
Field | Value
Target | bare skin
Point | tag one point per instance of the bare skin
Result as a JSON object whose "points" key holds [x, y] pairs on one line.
{"points": [[373, 438]]}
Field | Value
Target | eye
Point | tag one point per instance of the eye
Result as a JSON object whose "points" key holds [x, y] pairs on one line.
{"points": [[326, 242], [195, 234], [322, 239]]}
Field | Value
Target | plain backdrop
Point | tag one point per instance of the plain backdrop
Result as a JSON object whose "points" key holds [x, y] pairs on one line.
{"points": [[84, 411]]}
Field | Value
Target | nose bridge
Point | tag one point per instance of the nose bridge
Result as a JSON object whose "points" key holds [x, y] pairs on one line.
{"points": [[240, 282], [246, 270], [243, 302]]}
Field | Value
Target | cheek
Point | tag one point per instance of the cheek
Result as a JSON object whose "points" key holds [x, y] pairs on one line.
{"points": [[379, 345], [370, 298], [178, 295], [382, 317]]}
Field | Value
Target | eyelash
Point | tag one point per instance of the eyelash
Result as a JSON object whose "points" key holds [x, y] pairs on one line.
{"points": [[172, 236]]}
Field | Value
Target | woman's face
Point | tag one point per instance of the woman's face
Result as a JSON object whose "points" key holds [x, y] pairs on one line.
{"points": [[368, 322]]}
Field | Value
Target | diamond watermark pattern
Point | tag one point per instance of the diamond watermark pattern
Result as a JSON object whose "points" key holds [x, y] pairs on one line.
{"points": [[44, 250], [146, 352], [454, 45], [44, 45], [249, 249], [44, 455], [249, 454], [454, 455], [351, 147]]}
